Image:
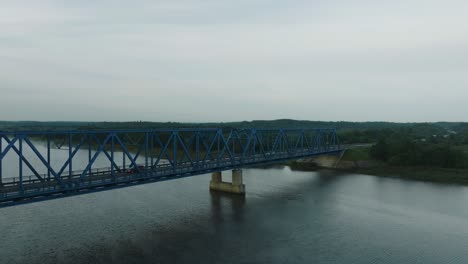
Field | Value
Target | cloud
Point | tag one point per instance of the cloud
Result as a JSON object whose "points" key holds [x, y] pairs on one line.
{"points": [[223, 60]]}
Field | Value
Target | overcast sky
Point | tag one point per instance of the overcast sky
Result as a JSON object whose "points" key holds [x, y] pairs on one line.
{"points": [[219, 60]]}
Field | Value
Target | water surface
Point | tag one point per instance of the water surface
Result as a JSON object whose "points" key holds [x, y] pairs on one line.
{"points": [[286, 217]]}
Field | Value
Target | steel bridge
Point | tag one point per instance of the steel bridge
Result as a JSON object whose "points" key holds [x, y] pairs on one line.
{"points": [[37, 166]]}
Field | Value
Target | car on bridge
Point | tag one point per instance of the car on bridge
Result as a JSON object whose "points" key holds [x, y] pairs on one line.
{"points": [[135, 170]]}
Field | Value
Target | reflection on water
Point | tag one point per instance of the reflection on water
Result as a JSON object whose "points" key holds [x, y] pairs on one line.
{"points": [[221, 201], [286, 217]]}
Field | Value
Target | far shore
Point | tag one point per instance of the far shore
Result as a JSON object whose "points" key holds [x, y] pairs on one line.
{"points": [[427, 174]]}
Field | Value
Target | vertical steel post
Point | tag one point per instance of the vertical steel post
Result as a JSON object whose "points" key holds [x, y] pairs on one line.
{"points": [[302, 140], [281, 142], [90, 146], [70, 164], [152, 149], [319, 140], [48, 157], [21, 163], [326, 141], [218, 143], [233, 146], [174, 149], [254, 136], [112, 156], [337, 140], [146, 149], [268, 143], [197, 146], [124, 159], [334, 139]]}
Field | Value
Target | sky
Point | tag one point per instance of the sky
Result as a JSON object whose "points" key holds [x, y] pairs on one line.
{"points": [[219, 60]]}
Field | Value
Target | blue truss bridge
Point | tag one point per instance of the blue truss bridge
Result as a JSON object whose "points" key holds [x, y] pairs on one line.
{"points": [[37, 166]]}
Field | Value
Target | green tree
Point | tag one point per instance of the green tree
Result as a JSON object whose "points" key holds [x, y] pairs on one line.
{"points": [[380, 151]]}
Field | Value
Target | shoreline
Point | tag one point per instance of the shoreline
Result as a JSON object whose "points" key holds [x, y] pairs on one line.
{"points": [[423, 174]]}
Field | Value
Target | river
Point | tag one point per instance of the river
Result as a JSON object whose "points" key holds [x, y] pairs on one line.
{"points": [[286, 217]]}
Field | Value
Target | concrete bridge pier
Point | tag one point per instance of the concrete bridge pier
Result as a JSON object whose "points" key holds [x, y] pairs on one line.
{"points": [[236, 186]]}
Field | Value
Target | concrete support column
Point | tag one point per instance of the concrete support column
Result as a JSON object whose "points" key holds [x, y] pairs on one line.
{"points": [[237, 187], [236, 177], [216, 177]]}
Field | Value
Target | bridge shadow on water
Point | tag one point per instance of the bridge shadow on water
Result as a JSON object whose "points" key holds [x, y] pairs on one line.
{"points": [[218, 207], [196, 239]]}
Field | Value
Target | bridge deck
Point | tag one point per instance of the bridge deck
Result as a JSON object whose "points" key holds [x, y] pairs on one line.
{"points": [[14, 192]]}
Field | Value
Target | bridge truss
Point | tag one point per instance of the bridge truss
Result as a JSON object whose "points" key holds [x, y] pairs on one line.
{"points": [[45, 165]]}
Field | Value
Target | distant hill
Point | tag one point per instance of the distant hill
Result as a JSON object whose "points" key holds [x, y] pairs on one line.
{"points": [[280, 123]]}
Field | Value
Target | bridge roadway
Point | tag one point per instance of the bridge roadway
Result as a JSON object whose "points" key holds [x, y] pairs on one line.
{"points": [[13, 192]]}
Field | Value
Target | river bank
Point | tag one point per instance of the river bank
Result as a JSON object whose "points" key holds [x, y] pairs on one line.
{"points": [[358, 161], [440, 175]]}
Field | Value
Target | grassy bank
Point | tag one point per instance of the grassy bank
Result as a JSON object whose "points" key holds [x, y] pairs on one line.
{"points": [[357, 154], [419, 173]]}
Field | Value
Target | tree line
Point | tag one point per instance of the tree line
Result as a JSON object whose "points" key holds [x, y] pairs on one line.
{"points": [[405, 152]]}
